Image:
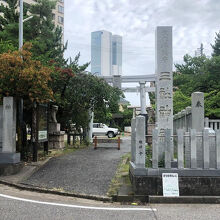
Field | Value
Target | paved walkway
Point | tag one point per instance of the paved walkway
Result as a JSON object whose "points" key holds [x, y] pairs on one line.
{"points": [[85, 171]]}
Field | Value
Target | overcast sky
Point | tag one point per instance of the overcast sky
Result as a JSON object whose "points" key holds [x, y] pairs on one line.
{"points": [[194, 22]]}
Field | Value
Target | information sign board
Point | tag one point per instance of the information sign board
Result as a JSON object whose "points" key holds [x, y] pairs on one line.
{"points": [[170, 184]]}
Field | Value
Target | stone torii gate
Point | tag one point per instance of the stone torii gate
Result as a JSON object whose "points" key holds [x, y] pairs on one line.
{"points": [[117, 80], [163, 79]]}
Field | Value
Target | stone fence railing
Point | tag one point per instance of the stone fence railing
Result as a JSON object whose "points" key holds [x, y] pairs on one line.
{"points": [[213, 123], [194, 149], [183, 120]]}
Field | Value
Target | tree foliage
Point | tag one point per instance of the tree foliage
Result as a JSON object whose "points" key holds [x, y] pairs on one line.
{"points": [[180, 101], [44, 35], [40, 30], [76, 92], [6, 46], [23, 77], [199, 74], [191, 65], [216, 46]]}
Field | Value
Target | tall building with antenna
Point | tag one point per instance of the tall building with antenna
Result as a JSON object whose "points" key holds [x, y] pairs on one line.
{"points": [[199, 51], [106, 53]]}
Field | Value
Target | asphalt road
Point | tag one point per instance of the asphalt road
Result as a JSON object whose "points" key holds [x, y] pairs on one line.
{"points": [[46, 206], [86, 171]]}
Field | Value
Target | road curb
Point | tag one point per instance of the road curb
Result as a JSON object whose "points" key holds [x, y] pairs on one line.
{"points": [[61, 193], [167, 200], [122, 198], [185, 199]]}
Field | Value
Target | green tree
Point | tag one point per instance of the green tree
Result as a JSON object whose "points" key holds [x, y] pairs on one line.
{"points": [[40, 30], [44, 35], [9, 22], [180, 101], [212, 104], [192, 65], [6, 46], [216, 46], [23, 77], [76, 92], [188, 79]]}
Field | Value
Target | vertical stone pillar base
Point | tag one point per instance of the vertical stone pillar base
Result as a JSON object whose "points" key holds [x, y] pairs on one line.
{"points": [[7, 158]]}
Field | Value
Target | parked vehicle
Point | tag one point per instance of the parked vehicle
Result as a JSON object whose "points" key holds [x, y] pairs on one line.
{"points": [[100, 129]]}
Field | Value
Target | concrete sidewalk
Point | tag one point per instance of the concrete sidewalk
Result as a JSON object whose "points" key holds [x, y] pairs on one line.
{"points": [[85, 171]]}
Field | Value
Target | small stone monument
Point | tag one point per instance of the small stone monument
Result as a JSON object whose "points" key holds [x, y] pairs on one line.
{"points": [[56, 137], [140, 142], [198, 111], [8, 153]]}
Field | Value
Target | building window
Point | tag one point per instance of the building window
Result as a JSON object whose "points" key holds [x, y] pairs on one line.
{"points": [[60, 9], [60, 20]]}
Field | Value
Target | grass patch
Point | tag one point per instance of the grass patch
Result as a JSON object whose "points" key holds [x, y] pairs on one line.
{"points": [[121, 176]]}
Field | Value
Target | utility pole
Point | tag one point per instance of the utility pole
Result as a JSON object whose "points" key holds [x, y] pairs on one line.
{"points": [[21, 127], [21, 25]]}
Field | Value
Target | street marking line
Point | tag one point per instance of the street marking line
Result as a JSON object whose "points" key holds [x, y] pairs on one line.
{"points": [[76, 206]]}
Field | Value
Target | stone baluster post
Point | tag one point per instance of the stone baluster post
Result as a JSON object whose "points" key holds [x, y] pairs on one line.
{"points": [[8, 154]]}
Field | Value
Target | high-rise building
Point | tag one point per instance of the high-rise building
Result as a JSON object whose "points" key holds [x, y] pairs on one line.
{"points": [[106, 53], [57, 13], [116, 55], [101, 49]]}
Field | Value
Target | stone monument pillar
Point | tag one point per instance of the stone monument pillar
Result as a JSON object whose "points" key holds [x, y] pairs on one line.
{"points": [[164, 83], [56, 137], [8, 154]]}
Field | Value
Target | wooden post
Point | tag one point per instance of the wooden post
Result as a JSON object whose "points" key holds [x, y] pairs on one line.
{"points": [[95, 143], [118, 143]]}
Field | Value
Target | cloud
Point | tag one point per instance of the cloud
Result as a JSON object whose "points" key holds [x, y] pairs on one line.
{"points": [[194, 22]]}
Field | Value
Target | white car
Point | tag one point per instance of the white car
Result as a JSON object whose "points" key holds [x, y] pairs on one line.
{"points": [[100, 129]]}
